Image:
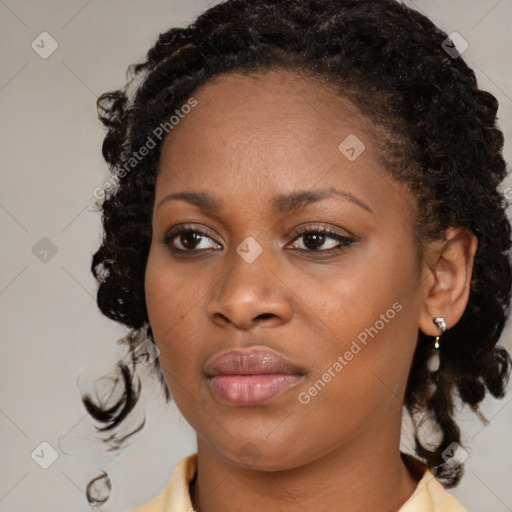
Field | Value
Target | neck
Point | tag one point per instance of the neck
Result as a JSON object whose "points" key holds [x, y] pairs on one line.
{"points": [[355, 478]]}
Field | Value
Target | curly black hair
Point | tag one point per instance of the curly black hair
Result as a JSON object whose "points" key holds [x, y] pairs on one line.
{"points": [[439, 136]]}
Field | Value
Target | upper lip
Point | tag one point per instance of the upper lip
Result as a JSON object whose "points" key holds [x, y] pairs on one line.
{"points": [[253, 361]]}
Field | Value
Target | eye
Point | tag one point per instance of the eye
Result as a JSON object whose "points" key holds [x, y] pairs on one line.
{"points": [[188, 239], [320, 236]]}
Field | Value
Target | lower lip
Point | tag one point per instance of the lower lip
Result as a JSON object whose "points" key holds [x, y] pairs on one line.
{"points": [[250, 390]]}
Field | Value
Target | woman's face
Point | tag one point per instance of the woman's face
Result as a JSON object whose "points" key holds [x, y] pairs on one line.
{"points": [[258, 161]]}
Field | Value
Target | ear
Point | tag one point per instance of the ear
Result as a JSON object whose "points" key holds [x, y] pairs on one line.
{"points": [[447, 268]]}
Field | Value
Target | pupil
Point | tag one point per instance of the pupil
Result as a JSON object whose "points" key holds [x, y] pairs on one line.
{"points": [[190, 236], [315, 237]]}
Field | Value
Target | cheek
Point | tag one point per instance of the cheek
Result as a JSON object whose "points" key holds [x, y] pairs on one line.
{"points": [[170, 301], [358, 383], [368, 324], [170, 290]]}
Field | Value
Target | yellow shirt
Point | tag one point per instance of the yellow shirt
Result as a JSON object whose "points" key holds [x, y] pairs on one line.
{"points": [[429, 495]]}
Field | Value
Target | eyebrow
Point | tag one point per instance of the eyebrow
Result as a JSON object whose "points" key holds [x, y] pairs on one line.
{"points": [[282, 203]]}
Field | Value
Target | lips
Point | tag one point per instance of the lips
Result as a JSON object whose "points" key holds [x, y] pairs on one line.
{"points": [[250, 362], [251, 377]]}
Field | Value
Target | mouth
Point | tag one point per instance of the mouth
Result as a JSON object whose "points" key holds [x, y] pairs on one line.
{"points": [[251, 377]]}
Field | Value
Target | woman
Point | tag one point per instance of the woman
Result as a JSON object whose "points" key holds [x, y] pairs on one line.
{"points": [[306, 225]]}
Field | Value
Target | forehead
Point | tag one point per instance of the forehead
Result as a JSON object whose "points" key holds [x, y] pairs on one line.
{"points": [[277, 114], [278, 98], [276, 131]]}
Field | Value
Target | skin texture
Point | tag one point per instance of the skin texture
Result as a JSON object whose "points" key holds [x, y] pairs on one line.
{"points": [[248, 140]]}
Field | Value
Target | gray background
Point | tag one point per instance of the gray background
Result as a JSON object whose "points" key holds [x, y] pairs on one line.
{"points": [[53, 336]]}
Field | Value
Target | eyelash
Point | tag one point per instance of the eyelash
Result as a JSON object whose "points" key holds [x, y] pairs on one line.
{"points": [[344, 241]]}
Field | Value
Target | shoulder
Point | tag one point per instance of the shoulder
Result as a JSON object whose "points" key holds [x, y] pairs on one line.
{"points": [[175, 497]]}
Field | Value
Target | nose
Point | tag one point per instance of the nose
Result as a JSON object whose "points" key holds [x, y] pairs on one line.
{"points": [[250, 294]]}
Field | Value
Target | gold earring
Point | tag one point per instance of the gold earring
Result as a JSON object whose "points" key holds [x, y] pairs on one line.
{"points": [[441, 325]]}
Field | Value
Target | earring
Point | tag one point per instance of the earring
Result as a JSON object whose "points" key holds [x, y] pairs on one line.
{"points": [[434, 359], [441, 325]]}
